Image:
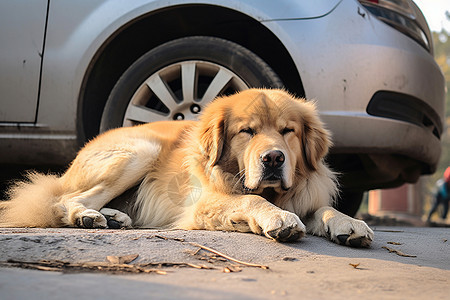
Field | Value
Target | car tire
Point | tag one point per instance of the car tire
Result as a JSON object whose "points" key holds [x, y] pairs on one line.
{"points": [[175, 80]]}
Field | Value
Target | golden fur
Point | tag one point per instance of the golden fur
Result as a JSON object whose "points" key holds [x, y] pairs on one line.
{"points": [[253, 162]]}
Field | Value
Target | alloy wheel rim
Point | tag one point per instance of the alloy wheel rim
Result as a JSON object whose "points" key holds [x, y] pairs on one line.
{"points": [[180, 91]]}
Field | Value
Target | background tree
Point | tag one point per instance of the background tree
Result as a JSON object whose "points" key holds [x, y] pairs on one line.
{"points": [[442, 55]]}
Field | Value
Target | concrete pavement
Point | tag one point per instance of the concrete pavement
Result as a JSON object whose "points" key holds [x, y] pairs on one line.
{"points": [[403, 263]]}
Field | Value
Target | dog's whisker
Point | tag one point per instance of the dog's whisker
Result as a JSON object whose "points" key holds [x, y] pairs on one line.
{"points": [[239, 180], [239, 174]]}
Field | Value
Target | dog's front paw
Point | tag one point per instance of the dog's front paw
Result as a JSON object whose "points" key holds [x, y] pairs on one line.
{"points": [[90, 218], [284, 226], [350, 232]]}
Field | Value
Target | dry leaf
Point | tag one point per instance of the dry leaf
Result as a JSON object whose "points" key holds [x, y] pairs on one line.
{"points": [[394, 243], [231, 269], [126, 259], [355, 265], [197, 266], [289, 258]]}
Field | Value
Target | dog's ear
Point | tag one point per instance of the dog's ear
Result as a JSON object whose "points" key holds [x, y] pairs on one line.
{"points": [[315, 139], [212, 135]]}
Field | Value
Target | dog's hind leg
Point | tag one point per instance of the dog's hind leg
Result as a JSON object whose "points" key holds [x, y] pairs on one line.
{"points": [[82, 209], [97, 176], [115, 218]]}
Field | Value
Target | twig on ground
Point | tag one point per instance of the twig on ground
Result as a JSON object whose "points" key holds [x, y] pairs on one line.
{"points": [[398, 252], [61, 266], [229, 257], [215, 252], [169, 238]]}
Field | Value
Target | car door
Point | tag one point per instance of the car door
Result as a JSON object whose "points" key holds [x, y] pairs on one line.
{"points": [[22, 32]]}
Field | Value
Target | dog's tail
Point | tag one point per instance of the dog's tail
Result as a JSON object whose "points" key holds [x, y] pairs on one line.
{"points": [[33, 202]]}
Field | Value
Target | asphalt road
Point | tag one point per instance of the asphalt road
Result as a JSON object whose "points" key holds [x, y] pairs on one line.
{"points": [[75, 265]]}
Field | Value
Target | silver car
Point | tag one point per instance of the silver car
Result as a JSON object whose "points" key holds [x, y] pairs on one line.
{"points": [[72, 69]]}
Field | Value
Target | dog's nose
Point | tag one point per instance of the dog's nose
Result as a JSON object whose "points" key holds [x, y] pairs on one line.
{"points": [[273, 159]]}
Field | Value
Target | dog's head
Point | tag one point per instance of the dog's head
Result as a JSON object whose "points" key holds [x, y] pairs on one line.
{"points": [[265, 138]]}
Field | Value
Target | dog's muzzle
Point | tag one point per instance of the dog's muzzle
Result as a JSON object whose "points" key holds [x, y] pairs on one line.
{"points": [[272, 172]]}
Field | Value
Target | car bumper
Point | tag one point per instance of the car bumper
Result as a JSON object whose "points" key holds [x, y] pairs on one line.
{"points": [[347, 57], [380, 134]]}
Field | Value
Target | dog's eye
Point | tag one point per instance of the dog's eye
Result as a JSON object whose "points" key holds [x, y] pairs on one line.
{"points": [[248, 131], [286, 131]]}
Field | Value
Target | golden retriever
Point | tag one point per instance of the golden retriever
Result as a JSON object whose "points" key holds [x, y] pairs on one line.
{"points": [[254, 162]]}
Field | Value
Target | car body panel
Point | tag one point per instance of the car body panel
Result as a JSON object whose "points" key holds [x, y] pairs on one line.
{"points": [[22, 32]]}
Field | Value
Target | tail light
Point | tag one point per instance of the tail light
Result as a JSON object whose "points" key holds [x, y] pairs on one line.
{"points": [[403, 15]]}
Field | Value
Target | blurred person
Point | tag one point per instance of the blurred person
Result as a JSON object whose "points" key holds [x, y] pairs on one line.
{"points": [[442, 195]]}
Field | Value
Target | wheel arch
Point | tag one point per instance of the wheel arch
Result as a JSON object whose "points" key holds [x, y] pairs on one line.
{"points": [[128, 44]]}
